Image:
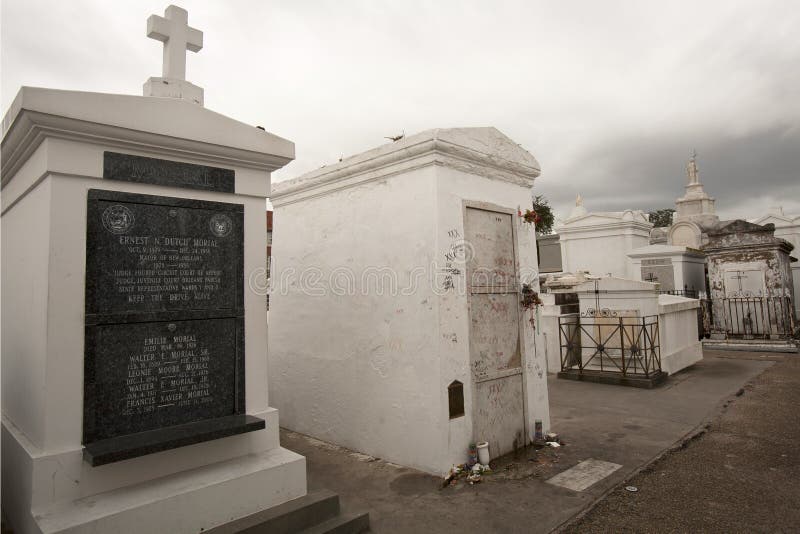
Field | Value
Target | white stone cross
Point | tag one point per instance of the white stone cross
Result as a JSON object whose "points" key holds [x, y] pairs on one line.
{"points": [[174, 31]]}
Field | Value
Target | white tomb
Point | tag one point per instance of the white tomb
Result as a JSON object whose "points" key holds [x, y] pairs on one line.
{"points": [[377, 341], [598, 242], [52, 154], [679, 345], [676, 268]]}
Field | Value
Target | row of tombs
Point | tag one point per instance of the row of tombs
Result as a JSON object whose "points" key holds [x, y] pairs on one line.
{"points": [[140, 373], [406, 317]]}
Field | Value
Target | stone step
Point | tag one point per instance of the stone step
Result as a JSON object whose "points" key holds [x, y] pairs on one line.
{"points": [[344, 524], [288, 518]]}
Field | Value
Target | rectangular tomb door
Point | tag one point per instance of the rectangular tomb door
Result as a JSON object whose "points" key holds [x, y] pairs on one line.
{"points": [[495, 346], [746, 307]]}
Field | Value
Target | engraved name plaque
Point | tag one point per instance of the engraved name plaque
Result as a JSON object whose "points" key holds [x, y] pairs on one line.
{"points": [[164, 356], [132, 168]]}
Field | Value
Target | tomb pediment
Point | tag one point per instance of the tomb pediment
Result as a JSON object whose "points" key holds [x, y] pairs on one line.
{"points": [[482, 151], [740, 226], [601, 218], [777, 220]]}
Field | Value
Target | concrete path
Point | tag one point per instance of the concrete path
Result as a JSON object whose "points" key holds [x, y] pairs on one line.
{"points": [[741, 475], [624, 426]]}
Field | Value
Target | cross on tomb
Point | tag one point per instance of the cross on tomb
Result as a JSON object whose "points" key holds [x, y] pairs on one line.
{"points": [[174, 31], [651, 278], [739, 277]]}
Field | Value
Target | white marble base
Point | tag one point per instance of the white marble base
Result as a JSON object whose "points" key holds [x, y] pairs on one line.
{"points": [[681, 359], [172, 88], [190, 501], [56, 486]]}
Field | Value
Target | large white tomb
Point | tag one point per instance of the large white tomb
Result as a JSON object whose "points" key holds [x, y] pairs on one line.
{"points": [[678, 269], [673, 319], [396, 327], [598, 242], [59, 149]]}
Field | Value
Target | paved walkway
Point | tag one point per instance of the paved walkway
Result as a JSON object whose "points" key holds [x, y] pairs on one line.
{"points": [[742, 475], [614, 424]]}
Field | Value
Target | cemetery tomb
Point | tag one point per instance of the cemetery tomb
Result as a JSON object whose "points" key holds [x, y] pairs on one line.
{"points": [[396, 325], [677, 269], [751, 283], [134, 353], [598, 242]]}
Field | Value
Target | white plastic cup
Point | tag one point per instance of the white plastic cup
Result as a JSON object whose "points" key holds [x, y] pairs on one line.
{"points": [[483, 453]]}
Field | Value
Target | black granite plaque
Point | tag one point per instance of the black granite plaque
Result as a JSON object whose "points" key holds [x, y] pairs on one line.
{"points": [[164, 340], [153, 255], [140, 169], [144, 376]]}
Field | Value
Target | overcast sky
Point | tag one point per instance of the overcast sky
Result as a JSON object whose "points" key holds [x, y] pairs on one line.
{"points": [[609, 96]]}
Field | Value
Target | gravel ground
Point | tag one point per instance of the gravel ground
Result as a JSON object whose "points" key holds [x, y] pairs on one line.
{"points": [[741, 475]]}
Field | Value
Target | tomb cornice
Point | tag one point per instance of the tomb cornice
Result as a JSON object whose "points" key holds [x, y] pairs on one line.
{"points": [[665, 250], [416, 152], [625, 226], [135, 123], [748, 248]]}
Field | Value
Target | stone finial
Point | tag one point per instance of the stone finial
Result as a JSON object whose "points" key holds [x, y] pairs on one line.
{"points": [[578, 210], [174, 31], [691, 169]]}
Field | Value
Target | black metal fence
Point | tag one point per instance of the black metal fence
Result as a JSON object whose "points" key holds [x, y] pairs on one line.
{"points": [[749, 317], [625, 345]]}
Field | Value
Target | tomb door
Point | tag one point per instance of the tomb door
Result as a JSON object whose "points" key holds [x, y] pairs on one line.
{"points": [[495, 345], [746, 308]]}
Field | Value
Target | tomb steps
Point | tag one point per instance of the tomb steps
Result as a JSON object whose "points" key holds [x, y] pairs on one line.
{"points": [[315, 513]]}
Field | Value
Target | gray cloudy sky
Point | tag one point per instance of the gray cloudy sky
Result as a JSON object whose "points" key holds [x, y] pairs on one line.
{"points": [[609, 96]]}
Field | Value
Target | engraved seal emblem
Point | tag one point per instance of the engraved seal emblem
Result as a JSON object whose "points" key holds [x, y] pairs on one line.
{"points": [[220, 225], [118, 219]]}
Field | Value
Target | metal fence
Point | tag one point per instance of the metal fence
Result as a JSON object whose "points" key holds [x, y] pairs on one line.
{"points": [[688, 293], [628, 346], [750, 317]]}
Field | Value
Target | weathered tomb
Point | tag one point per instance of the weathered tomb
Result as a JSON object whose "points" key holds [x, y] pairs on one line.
{"points": [[786, 227], [750, 281], [396, 320]]}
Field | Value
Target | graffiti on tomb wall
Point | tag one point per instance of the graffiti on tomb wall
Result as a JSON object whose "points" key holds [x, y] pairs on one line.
{"points": [[458, 253]]}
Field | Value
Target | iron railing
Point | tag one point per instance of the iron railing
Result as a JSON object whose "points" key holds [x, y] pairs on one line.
{"points": [[688, 293], [625, 345], [750, 317]]}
